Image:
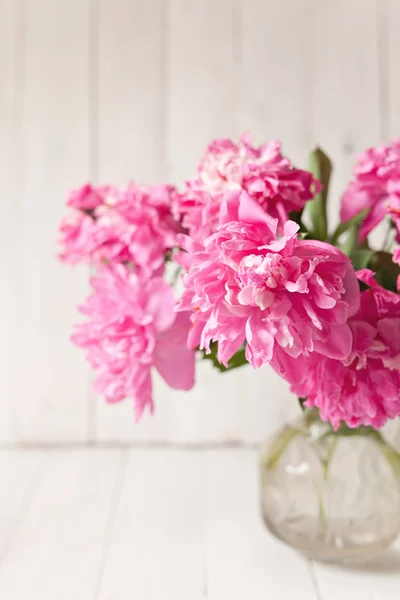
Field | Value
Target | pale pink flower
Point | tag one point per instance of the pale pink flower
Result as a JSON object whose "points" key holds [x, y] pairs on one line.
{"points": [[88, 197], [86, 239], [364, 388], [130, 225], [375, 185], [280, 295], [132, 327], [263, 172]]}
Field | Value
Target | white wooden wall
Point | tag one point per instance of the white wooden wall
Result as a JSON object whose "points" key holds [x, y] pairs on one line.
{"points": [[106, 90]]}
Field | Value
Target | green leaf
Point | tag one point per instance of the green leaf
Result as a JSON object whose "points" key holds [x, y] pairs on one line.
{"points": [[353, 223], [237, 360], [361, 258], [386, 270], [321, 168], [301, 402]]}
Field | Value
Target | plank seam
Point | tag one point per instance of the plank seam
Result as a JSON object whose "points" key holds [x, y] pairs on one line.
{"points": [[314, 580], [112, 514], [140, 445]]}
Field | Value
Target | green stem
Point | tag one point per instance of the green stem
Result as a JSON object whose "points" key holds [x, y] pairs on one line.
{"points": [[326, 463], [278, 446], [325, 472]]}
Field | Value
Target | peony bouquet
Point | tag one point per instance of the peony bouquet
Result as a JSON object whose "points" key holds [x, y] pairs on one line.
{"points": [[263, 279]]}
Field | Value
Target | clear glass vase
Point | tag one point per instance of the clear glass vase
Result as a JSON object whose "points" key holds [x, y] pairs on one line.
{"points": [[335, 496]]}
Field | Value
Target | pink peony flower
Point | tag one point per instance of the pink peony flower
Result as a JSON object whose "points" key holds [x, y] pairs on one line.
{"points": [[375, 185], [364, 388], [262, 172], [85, 239], [280, 295], [87, 197], [131, 327], [132, 225]]}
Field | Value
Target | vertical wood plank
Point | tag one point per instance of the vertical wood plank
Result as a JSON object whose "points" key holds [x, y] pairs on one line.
{"points": [[201, 95], [131, 80], [157, 536], [50, 395], [273, 73], [390, 23], [9, 206], [131, 105], [19, 472], [345, 113], [242, 559], [57, 549]]}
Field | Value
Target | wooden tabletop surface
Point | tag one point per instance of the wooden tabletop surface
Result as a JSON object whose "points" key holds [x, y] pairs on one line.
{"points": [[155, 524]]}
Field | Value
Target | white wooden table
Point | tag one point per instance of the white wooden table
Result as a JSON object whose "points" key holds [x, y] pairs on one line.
{"points": [[155, 524]]}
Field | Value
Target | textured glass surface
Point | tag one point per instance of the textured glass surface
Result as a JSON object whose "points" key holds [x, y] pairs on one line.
{"points": [[335, 497]]}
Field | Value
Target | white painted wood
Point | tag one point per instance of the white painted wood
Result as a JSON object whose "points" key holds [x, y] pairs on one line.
{"points": [[242, 559], [19, 472], [57, 549], [50, 392], [102, 524], [273, 74], [156, 544], [137, 89], [132, 64], [344, 84], [378, 580], [390, 23], [201, 90], [9, 206], [188, 527], [131, 120]]}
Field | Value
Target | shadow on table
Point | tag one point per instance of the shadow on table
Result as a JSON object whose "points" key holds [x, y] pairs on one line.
{"points": [[388, 562]]}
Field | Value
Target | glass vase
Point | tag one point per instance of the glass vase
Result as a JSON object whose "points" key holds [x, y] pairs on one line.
{"points": [[335, 496]]}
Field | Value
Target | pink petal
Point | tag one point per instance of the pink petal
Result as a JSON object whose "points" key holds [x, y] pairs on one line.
{"points": [[172, 358], [338, 343], [160, 304], [260, 342], [251, 212], [227, 348]]}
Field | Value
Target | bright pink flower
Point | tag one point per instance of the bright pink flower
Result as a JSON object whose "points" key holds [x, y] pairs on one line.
{"points": [[131, 327], [375, 185], [263, 172], [283, 296], [363, 389], [131, 225]]}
